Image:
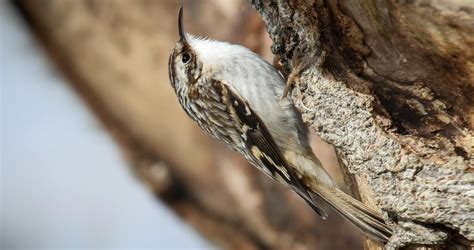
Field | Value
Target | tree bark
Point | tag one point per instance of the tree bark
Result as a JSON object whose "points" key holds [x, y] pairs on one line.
{"points": [[391, 85], [115, 54]]}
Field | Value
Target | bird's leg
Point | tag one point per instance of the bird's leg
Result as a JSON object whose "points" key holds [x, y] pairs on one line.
{"points": [[277, 64], [299, 64]]}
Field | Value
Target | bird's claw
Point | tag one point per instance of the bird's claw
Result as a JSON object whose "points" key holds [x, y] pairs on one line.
{"points": [[290, 82]]}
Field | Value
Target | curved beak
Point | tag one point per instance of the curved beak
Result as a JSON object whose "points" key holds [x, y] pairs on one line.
{"points": [[182, 35]]}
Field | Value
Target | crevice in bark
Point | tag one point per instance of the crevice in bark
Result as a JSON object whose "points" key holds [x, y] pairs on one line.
{"points": [[387, 84]]}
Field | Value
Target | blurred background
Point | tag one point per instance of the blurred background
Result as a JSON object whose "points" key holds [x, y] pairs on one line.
{"points": [[97, 153]]}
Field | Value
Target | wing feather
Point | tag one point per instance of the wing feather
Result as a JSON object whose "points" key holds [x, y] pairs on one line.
{"points": [[261, 145]]}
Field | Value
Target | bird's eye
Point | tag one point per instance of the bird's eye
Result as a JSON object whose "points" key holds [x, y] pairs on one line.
{"points": [[185, 57]]}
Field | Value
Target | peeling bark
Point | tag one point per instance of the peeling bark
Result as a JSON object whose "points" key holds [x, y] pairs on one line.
{"points": [[390, 84]]}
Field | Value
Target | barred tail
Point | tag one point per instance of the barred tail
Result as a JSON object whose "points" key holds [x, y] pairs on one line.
{"points": [[366, 219]]}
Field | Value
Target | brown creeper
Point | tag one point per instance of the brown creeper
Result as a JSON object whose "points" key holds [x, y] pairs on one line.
{"points": [[235, 96]]}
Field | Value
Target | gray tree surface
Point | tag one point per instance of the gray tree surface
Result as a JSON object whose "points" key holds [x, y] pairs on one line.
{"points": [[391, 85]]}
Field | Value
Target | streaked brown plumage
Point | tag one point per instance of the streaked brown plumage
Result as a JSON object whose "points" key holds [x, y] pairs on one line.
{"points": [[235, 96]]}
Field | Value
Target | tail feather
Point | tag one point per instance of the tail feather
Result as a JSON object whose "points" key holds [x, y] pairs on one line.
{"points": [[315, 179], [366, 219]]}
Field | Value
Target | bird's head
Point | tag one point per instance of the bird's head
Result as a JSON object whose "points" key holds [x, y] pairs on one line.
{"points": [[184, 65], [194, 58]]}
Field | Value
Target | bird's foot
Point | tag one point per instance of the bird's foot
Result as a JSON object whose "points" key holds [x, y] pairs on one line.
{"points": [[298, 67]]}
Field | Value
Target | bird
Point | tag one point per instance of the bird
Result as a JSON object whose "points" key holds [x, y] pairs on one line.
{"points": [[236, 97]]}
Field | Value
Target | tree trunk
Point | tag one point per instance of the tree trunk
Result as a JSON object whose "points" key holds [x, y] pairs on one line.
{"points": [[116, 53], [390, 84]]}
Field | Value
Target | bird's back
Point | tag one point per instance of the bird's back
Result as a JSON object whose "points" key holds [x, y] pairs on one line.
{"points": [[246, 72]]}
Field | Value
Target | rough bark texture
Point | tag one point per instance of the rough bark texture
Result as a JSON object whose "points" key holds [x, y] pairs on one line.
{"points": [[391, 85], [115, 53]]}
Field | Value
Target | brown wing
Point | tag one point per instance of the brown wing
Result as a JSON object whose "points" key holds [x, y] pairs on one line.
{"points": [[260, 144]]}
